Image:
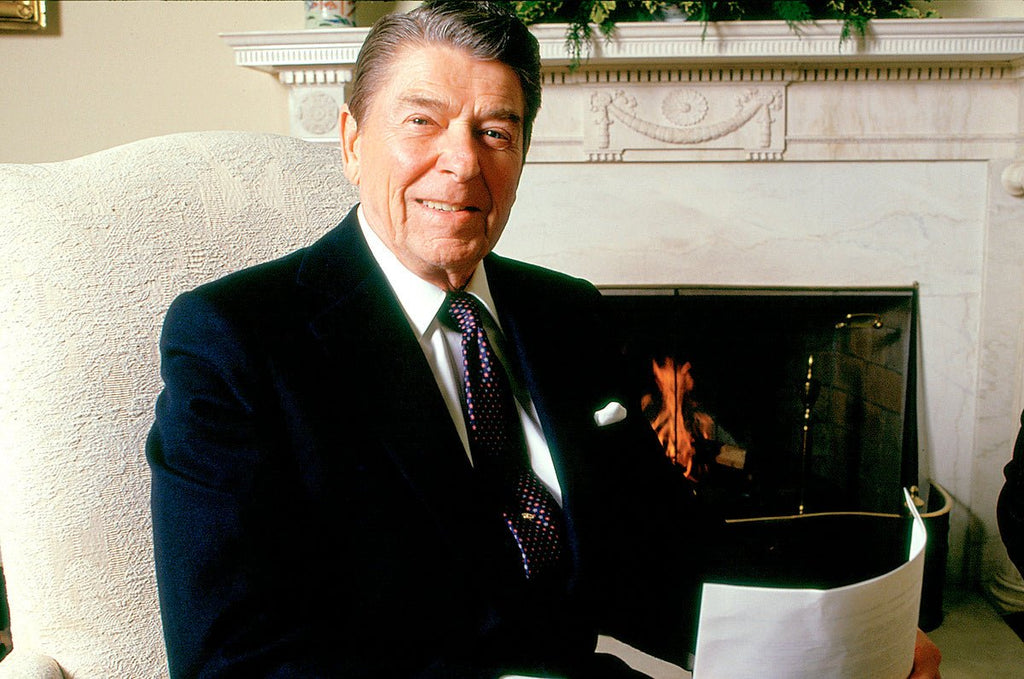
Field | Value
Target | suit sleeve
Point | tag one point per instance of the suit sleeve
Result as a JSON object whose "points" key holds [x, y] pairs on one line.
{"points": [[1010, 509], [213, 465]]}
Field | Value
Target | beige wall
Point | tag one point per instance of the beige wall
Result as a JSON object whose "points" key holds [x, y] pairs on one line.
{"points": [[960, 9], [108, 73], [114, 72]]}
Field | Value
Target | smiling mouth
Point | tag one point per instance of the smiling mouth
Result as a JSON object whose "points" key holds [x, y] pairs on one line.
{"points": [[446, 207]]}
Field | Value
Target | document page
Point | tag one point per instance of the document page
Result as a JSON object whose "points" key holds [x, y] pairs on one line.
{"points": [[866, 629]]}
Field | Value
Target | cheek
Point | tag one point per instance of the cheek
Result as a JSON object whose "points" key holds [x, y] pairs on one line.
{"points": [[501, 167], [407, 159], [507, 185]]}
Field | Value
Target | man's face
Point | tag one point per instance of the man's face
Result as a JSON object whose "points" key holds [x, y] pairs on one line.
{"points": [[437, 159]]}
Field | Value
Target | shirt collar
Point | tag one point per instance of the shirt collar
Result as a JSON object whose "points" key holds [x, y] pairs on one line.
{"points": [[419, 299]]}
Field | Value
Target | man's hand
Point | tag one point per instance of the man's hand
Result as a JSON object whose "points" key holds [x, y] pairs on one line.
{"points": [[927, 657]]}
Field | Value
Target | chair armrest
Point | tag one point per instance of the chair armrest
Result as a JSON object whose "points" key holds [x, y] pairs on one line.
{"points": [[28, 665]]}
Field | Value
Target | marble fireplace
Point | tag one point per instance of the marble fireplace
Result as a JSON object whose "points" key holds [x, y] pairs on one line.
{"points": [[751, 156]]}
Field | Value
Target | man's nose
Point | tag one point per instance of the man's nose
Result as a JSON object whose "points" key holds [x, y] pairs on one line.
{"points": [[459, 155]]}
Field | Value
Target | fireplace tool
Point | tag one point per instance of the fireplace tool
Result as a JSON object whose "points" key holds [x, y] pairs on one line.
{"points": [[811, 390]]}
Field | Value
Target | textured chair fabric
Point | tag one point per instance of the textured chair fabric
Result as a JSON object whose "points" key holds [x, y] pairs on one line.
{"points": [[29, 665], [96, 248]]}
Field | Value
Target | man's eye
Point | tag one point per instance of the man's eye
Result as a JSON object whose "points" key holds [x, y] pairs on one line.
{"points": [[419, 121], [497, 134]]}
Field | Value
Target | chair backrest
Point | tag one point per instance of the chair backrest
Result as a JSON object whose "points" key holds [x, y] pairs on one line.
{"points": [[95, 250]]}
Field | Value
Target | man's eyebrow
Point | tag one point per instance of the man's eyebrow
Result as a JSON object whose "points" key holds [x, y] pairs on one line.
{"points": [[420, 100], [506, 114], [426, 101]]}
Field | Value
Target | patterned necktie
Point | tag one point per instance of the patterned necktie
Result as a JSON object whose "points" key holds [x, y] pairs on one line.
{"points": [[496, 441]]}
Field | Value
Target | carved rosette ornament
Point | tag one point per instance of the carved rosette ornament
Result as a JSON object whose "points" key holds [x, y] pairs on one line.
{"points": [[685, 107], [317, 112], [696, 119]]}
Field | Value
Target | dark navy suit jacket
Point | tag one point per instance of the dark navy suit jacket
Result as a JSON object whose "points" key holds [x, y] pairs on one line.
{"points": [[1010, 507], [314, 510]]}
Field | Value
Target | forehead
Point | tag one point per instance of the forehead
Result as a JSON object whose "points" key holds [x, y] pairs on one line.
{"points": [[453, 75]]}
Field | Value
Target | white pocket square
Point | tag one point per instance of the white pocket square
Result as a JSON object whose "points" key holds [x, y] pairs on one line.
{"points": [[610, 414]]}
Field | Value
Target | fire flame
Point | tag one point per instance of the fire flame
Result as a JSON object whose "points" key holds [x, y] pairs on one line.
{"points": [[678, 422]]}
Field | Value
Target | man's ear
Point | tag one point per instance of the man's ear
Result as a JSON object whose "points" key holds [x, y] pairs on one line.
{"points": [[349, 144]]}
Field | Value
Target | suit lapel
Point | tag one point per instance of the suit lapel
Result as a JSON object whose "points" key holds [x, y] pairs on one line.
{"points": [[365, 331], [543, 348]]}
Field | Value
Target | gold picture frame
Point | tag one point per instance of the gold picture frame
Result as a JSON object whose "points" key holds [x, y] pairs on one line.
{"points": [[22, 15]]}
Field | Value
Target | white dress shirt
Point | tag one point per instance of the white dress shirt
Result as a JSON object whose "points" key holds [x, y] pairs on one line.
{"points": [[421, 302]]}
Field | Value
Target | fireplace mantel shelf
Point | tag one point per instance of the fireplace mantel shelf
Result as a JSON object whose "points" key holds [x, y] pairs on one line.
{"points": [[918, 41]]}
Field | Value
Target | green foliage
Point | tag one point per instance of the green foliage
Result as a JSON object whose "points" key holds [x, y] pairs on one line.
{"points": [[583, 15], [793, 13]]}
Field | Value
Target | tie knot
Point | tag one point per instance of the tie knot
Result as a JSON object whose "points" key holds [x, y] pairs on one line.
{"points": [[463, 310]]}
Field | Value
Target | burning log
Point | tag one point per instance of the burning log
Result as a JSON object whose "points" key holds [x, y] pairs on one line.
{"points": [[731, 456], [684, 429]]}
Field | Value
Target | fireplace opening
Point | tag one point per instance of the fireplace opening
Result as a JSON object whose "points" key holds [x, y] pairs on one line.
{"points": [[778, 401], [794, 411]]}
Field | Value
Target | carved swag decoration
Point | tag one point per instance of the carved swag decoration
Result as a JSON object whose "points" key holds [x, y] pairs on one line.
{"points": [[686, 110]]}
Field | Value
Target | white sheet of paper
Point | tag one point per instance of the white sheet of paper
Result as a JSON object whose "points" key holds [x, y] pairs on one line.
{"points": [[866, 629]]}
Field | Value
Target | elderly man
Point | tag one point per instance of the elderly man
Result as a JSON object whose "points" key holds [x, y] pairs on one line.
{"points": [[396, 454]]}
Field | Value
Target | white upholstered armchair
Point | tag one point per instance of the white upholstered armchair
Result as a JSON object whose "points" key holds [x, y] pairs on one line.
{"points": [[95, 250]]}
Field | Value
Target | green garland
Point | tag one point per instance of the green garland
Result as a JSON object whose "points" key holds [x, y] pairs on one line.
{"points": [[583, 15]]}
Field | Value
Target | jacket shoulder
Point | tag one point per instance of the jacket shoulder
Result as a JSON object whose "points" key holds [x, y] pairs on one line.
{"points": [[524, 276], [286, 280]]}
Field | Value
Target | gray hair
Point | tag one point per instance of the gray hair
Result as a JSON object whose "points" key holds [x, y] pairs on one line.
{"points": [[489, 31]]}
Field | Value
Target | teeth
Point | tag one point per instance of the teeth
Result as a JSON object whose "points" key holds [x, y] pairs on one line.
{"points": [[444, 207]]}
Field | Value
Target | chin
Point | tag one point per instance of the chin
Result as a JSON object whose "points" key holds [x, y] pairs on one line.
{"points": [[461, 256]]}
